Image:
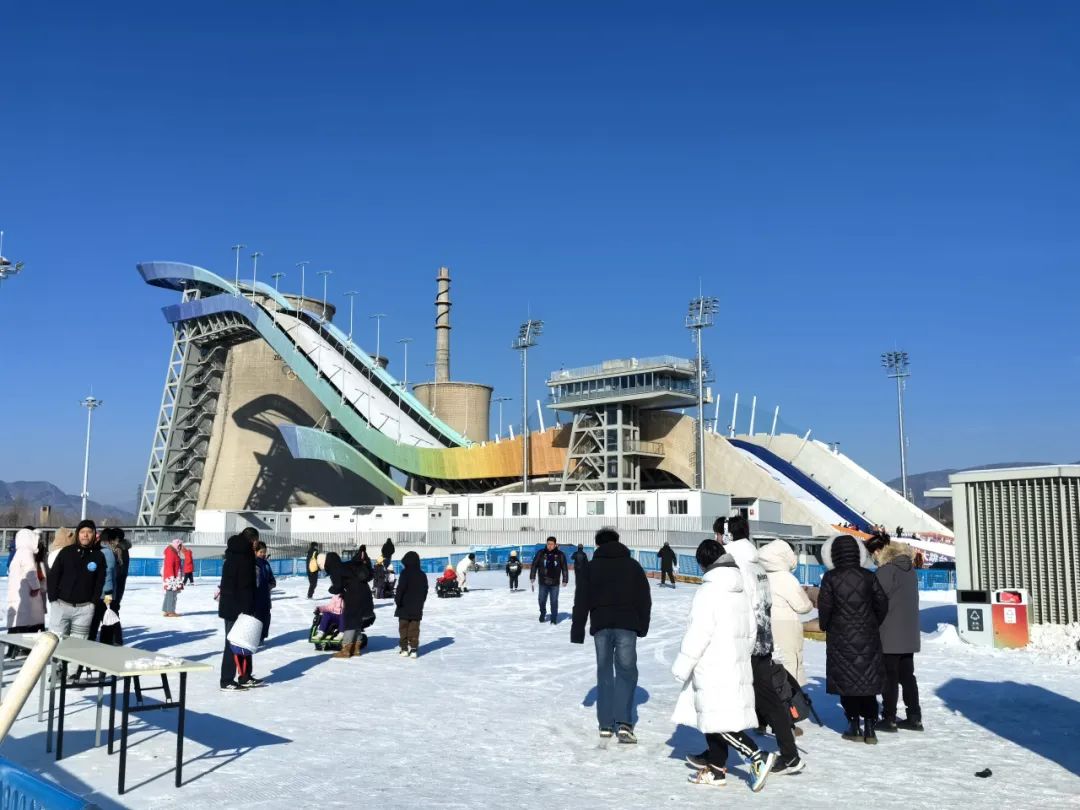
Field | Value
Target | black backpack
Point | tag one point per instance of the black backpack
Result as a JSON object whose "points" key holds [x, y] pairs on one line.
{"points": [[795, 700]]}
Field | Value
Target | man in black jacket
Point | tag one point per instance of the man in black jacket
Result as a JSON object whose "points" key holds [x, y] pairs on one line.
{"points": [[411, 593], [74, 584], [579, 558], [388, 551], [549, 565], [613, 593], [666, 555], [237, 596]]}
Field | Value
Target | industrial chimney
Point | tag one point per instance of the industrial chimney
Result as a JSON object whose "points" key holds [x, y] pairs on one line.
{"points": [[442, 327], [464, 406]]}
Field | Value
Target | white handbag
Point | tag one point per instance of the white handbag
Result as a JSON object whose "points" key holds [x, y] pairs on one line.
{"points": [[246, 633]]}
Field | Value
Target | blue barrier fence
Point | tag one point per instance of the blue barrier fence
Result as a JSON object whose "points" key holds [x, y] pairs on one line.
{"points": [[22, 790], [930, 579]]}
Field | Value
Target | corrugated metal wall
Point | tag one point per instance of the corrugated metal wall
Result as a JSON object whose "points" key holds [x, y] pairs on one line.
{"points": [[1025, 533]]}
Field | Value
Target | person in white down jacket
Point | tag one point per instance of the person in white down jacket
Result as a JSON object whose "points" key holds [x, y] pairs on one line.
{"points": [[789, 601], [714, 666]]}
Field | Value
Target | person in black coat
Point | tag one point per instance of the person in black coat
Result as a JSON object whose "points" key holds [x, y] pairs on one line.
{"points": [[579, 558], [412, 590], [312, 565], [388, 551], [236, 597], [351, 581], [851, 607], [74, 584], [666, 555], [613, 593]]}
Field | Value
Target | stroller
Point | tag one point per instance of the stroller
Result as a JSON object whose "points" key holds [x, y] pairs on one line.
{"points": [[446, 586], [331, 642]]}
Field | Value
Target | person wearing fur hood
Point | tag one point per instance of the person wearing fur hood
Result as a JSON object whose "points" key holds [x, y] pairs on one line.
{"points": [[26, 612], [851, 607], [900, 635], [789, 601], [714, 667]]}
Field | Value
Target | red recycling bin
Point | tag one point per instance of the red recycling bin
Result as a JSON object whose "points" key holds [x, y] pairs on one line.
{"points": [[1009, 616]]}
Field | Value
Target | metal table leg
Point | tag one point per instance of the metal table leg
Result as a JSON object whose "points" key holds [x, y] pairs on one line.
{"points": [[41, 690], [60, 718], [52, 703], [180, 729], [3, 661], [100, 700], [124, 734], [112, 711]]}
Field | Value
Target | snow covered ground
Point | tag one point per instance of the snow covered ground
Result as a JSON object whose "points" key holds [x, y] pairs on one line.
{"points": [[498, 712]]}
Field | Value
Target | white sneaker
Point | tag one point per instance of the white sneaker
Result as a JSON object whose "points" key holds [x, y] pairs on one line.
{"points": [[709, 777], [413, 654], [760, 768], [403, 653]]}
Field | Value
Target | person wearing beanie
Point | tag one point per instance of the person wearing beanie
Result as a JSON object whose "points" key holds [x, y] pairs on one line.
{"points": [[612, 592], [75, 583], [513, 570], [851, 607], [172, 576], [714, 666]]}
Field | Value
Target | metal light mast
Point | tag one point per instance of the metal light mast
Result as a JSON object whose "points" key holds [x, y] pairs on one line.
{"points": [[699, 316], [351, 295], [236, 249], [501, 400], [896, 365], [325, 274], [90, 403], [378, 316], [405, 341], [526, 339]]}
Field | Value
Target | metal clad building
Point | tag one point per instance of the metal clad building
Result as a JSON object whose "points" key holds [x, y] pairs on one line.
{"points": [[1020, 528]]}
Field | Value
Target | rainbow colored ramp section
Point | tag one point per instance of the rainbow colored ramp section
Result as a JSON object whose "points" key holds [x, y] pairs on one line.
{"points": [[384, 426]]}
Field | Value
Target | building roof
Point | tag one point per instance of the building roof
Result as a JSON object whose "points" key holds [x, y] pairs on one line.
{"points": [[1011, 473]]}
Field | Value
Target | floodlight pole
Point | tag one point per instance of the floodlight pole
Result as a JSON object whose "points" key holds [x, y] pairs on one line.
{"points": [[351, 295], [378, 316], [501, 400], [303, 267], [277, 278], [526, 339], [325, 274], [896, 364], [700, 315], [254, 272], [90, 403]]}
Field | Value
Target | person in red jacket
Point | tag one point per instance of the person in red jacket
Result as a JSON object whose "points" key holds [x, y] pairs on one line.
{"points": [[172, 577], [189, 567]]}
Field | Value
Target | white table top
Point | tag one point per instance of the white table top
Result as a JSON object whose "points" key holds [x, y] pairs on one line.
{"points": [[106, 658]]}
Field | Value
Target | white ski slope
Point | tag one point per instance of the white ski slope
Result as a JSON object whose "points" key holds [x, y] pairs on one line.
{"points": [[497, 712]]}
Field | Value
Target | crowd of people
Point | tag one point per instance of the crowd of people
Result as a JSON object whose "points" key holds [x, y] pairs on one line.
{"points": [[744, 622]]}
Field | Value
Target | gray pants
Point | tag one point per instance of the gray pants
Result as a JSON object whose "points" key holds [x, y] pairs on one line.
{"points": [[169, 606], [71, 620]]}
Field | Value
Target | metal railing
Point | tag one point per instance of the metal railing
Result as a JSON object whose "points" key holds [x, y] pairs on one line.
{"points": [[633, 365]]}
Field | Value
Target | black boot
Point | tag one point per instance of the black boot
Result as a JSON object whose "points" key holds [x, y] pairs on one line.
{"points": [[887, 724], [911, 724], [854, 732], [869, 737]]}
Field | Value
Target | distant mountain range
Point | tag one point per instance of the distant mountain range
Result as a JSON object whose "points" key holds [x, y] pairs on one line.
{"points": [[21, 501], [918, 483]]}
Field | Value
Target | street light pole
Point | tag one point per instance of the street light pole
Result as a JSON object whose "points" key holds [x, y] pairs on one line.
{"points": [[526, 339], [324, 274], [405, 369], [699, 316], [236, 249], [277, 277], [378, 316], [254, 272], [90, 403], [896, 365], [351, 295], [303, 267], [501, 400]]}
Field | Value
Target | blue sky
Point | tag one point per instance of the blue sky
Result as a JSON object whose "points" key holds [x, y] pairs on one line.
{"points": [[845, 177]]}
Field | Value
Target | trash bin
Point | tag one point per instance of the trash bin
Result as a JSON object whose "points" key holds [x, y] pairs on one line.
{"points": [[973, 618], [1010, 616]]}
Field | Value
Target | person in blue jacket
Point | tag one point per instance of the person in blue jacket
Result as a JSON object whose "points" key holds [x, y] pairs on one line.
{"points": [[106, 595], [264, 583]]}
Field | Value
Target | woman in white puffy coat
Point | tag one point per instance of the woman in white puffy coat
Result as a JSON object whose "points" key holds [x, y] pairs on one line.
{"points": [[789, 601], [26, 611], [714, 666]]}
